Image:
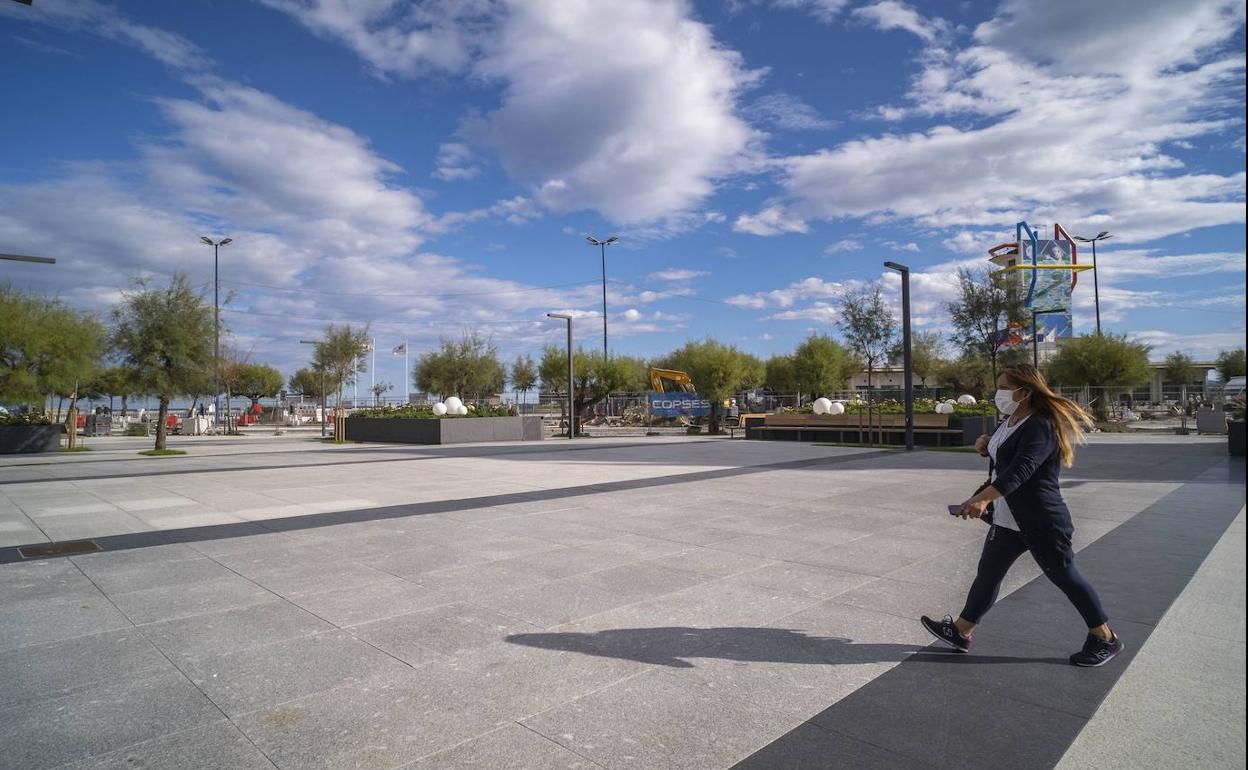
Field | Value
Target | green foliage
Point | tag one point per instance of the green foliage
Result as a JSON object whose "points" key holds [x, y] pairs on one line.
{"points": [[1180, 368], [1106, 360], [778, 374], [307, 383], [986, 304], [594, 377], [468, 368], [424, 412], [341, 354], [164, 337], [820, 365], [136, 429], [162, 452], [257, 381], [926, 354], [112, 382], [969, 374], [45, 347], [717, 371], [1230, 363], [23, 418], [523, 374], [868, 325]]}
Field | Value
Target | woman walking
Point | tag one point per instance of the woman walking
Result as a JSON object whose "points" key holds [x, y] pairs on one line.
{"points": [[1028, 513]]}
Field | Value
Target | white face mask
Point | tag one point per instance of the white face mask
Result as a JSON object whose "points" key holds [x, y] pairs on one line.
{"points": [[1005, 401]]}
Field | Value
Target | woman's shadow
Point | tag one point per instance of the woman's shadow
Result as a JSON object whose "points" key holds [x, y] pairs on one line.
{"points": [[673, 645]]}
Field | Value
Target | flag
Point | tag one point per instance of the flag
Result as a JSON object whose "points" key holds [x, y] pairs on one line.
{"points": [[399, 350]]}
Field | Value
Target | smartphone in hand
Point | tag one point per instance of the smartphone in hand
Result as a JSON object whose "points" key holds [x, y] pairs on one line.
{"points": [[955, 510]]}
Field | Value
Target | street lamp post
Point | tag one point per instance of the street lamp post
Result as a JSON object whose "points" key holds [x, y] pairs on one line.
{"points": [[602, 247], [216, 319], [571, 379], [1035, 333], [317, 342], [1096, 284], [908, 374]]}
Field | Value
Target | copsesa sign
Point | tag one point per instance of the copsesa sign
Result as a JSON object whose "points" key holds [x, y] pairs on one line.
{"points": [[678, 405]]}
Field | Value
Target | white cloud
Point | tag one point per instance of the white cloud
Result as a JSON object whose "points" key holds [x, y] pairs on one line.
{"points": [[825, 11], [891, 14], [821, 312], [456, 161], [773, 220], [637, 132], [677, 274], [1113, 172], [108, 22], [896, 246], [1201, 346], [788, 112], [397, 37], [843, 245], [812, 288]]}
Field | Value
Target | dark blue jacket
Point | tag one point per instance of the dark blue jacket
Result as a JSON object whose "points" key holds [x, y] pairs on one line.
{"points": [[1028, 468]]}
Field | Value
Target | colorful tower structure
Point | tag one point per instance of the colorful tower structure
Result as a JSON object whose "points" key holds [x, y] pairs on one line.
{"points": [[1047, 272]]}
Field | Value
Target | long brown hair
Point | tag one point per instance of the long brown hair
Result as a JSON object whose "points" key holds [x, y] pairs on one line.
{"points": [[1068, 418]]}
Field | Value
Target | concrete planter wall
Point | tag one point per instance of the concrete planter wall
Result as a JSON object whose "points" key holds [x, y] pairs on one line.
{"points": [[1235, 437], [930, 429], [449, 430], [23, 439]]}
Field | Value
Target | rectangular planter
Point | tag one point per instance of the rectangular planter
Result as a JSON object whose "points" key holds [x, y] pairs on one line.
{"points": [[846, 429], [24, 439], [448, 430]]}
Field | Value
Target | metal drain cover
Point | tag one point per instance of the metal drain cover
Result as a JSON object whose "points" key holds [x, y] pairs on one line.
{"points": [[66, 548]]}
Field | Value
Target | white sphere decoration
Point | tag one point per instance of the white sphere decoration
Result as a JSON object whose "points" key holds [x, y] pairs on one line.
{"points": [[836, 408], [966, 399], [462, 410], [453, 404], [439, 409], [944, 408], [822, 405]]}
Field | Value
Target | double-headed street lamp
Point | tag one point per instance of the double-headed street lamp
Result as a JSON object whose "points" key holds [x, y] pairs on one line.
{"points": [[216, 317], [602, 247], [908, 375], [571, 380], [1096, 290]]}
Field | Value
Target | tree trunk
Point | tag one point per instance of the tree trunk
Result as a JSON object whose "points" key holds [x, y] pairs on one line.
{"points": [[125, 403], [162, 428], [60, 401], [713, 426]]}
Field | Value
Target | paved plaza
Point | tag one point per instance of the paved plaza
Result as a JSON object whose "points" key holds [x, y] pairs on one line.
{"points": [[636, 602]]}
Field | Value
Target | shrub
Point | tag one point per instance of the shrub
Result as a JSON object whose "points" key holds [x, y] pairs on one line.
{"points": [[136, 429], [24, 418], [424, 412]]}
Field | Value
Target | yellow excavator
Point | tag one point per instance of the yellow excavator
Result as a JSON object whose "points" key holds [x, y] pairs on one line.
{"points": [[679, 379]]}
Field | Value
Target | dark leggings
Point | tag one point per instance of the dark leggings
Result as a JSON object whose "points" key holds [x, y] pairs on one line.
{"points": [[1003, 547]]}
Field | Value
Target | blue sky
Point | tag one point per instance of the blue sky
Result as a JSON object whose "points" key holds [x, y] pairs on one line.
{"points": [[433, 166]]}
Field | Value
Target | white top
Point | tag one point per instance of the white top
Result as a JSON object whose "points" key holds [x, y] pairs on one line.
{"points": [[1002, 516]]}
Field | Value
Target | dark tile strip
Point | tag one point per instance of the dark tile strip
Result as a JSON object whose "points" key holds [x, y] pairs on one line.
{"points": [[314, 520], [999, 708]]}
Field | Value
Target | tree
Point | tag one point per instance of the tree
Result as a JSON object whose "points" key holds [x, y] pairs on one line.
{"points": [[45, 347], [969, 374], [1180, 368], [164, 338], [307, 382], [523, 374], [467, 367], [926, 355], [986, 305], [821, 365], [340, 354], [257, 381], [379, 389], [869, 327], [1230, 363], [112, 382], [1101, 360], [231, 363], [717, 371], [594, 378], [778, 374]]}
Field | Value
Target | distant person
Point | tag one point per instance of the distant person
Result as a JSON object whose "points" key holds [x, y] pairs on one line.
{"points": [[1029, 515]]}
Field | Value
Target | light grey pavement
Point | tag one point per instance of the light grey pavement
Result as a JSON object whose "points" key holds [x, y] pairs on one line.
{"points": [[612, 603]]}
